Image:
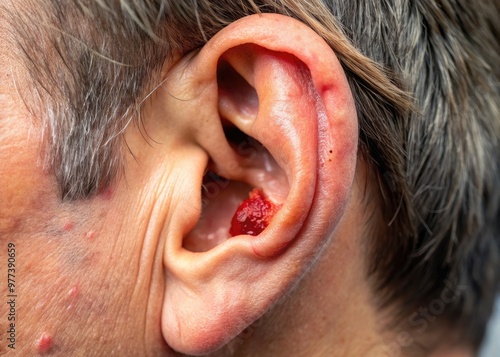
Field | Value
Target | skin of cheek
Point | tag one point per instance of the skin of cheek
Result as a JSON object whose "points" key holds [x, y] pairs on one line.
{"points": [[80, 281], [77, 264], [87, 278]]}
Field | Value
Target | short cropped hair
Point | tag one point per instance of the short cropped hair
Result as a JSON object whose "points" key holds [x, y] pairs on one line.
{"points": [[425, 78]]}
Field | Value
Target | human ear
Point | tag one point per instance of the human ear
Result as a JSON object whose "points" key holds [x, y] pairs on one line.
{"points": [[268, 104]]}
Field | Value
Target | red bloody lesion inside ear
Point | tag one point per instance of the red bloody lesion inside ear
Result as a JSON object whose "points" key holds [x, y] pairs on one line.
{"points": [[253, 215], [245, 202], [229, 208]]}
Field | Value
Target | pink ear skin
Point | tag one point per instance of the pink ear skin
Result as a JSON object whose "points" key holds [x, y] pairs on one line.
{"points": [[276, 81]]}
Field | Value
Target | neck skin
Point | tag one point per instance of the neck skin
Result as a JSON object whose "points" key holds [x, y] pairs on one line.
{"points": [[319, 319]]}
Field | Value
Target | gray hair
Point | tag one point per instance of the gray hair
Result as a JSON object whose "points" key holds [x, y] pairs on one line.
{"points": [[92, 62]]}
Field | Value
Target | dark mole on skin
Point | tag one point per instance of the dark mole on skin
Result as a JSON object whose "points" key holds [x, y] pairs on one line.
{"points": [[44, 343]]}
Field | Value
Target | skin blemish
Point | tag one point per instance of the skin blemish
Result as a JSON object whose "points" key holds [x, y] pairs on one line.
{"points": [[68, 226], [90, 235], [331, 151], [72, 295], [73, 292], [106, 194], [44, 343]]}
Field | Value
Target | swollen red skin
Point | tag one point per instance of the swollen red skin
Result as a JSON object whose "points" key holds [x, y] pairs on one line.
{"points": [[253, 215], [44, 343]]}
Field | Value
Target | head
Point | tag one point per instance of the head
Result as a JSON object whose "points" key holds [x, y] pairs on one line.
{"points": [[130, 132]]}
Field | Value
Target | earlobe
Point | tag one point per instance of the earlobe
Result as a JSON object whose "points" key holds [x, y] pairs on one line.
{"points": [[271, 108]]}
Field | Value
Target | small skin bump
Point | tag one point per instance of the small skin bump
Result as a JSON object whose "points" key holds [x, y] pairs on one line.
{"points": [[106, 194], [90, 235], [73, 292], [44, 343], [72, 295], [69, 226]]}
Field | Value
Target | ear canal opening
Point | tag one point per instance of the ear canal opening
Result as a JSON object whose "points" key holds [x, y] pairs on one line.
{"points": [[220, 199], [260, 185]]}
